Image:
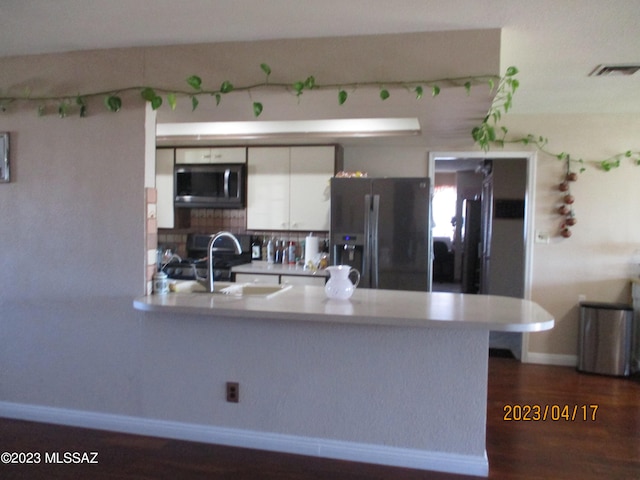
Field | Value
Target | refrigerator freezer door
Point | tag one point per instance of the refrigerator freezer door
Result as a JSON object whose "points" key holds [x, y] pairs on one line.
{"points": [[374, 246], [347, 201], [349, 224], [387, 221], [369, 227], [403, 233]]}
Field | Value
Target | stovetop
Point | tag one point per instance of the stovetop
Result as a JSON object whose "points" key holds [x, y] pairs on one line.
{"points": [[184, 270], [197, 257]]}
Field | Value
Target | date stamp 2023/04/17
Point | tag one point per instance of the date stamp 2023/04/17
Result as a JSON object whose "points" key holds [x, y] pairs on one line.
{"points": [[554, 413]]}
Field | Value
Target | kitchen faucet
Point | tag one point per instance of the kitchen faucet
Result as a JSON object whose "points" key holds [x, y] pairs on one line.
{"points": [[208, 282]]}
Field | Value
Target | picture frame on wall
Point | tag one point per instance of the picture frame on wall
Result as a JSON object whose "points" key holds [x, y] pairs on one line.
{"points": [[5, 174]]}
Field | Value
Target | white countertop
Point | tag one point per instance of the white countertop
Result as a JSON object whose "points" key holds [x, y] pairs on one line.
{"points": [[264, 268], [366, 307]]}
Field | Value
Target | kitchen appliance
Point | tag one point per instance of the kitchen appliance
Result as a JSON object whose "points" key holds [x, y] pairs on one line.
{"points": [[197, 255], [381, 227], [209, 186]]}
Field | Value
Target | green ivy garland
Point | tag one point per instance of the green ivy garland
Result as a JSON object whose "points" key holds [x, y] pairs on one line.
{"points": [[486, 134], [489, 133]]}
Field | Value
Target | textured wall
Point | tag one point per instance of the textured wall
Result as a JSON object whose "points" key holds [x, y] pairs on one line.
{"points": [[73, 258], [420, 389], [596, 260]]}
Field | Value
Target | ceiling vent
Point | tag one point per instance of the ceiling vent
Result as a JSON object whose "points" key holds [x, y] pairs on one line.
{"points": [[610, 70]]}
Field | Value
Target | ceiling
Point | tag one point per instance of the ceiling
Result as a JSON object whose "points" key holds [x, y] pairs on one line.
{"points": [[554, 43]]}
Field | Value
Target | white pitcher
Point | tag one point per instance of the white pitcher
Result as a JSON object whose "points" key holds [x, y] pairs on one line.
{"points": [[340, 285]]}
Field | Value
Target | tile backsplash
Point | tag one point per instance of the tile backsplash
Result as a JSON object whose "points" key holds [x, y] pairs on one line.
{"points": [[209, 221]]}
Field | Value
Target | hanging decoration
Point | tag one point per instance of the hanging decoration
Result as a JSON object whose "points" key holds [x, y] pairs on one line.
{"points": [[567, 208]]}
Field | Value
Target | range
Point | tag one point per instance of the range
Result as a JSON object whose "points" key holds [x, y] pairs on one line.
{"points": [[185, 269]]}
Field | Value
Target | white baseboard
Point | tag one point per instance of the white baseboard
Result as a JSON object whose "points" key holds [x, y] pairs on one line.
{"points": [[552, 359], [477, 465]]}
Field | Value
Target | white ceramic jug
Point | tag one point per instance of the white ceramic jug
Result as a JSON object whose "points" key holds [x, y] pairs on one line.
{"points": [[340, 286]]}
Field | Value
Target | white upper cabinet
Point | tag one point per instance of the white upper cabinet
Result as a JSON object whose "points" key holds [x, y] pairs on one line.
{"points": [[268, 188], [164, 187], [288, 187], [211, 155], [311, 172]]}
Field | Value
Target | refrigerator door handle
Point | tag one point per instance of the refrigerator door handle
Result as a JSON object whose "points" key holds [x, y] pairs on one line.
{"points": [[366, 255], [375, 210]]}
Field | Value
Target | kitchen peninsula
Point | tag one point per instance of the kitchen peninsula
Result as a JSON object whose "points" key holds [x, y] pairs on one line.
{"points": [[391, 377]]}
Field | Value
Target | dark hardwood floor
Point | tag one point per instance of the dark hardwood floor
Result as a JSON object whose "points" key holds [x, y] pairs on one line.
{"points": [[604, 447]]}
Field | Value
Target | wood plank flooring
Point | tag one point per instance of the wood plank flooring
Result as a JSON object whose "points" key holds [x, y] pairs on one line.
{"points": [[605, 448]]}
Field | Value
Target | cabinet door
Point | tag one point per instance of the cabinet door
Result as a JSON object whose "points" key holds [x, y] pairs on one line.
{"points": [[229, 155], [302, 280], [211, 155], [193, 155], [268, 188], [164, 187], [311, 171]]}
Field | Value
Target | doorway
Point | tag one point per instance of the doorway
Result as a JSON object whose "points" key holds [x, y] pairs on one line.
{"points": [[490, 245]]}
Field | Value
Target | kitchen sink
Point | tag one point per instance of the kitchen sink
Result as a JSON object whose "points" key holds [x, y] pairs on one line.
{"points": [[231, 288], [254, 290], [191, 286]]}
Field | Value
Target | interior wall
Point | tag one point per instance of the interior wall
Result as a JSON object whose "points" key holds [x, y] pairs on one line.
{"points": [[73, 238], [72, 216], [445, 179], [73, 225], [596, 260]]}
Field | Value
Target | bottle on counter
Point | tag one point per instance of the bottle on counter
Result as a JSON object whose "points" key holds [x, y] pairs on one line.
{"points": [[277, 253], [160, 283], [292, 252], [256, 249], [270, 251]]}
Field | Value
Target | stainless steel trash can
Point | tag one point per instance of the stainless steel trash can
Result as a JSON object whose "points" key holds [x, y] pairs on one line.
{"points": [[605, 338]]}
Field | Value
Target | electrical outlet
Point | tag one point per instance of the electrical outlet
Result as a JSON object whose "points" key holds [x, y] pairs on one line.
{"points": [[233, 392], [542, 237]]}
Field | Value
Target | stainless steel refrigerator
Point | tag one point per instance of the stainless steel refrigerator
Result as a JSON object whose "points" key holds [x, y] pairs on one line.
{"points": [[381, 227]]}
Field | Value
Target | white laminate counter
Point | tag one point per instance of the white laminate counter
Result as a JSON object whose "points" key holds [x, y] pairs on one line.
{"points": [[366, 307]]}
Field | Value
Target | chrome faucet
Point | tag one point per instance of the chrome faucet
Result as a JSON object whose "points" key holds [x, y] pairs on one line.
{"points": [[211, 249]]}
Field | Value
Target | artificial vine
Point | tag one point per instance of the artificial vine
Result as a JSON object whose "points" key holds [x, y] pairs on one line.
{"points": [[489, 133], [486, 134], [113, 100]]}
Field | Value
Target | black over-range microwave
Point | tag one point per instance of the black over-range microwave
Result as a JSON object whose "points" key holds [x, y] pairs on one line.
{"points": [[210, 186]]}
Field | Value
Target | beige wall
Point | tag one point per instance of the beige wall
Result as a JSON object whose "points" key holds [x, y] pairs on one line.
{"points": [[73, 214], [72, 347], [596, 260], [73, 226]]}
